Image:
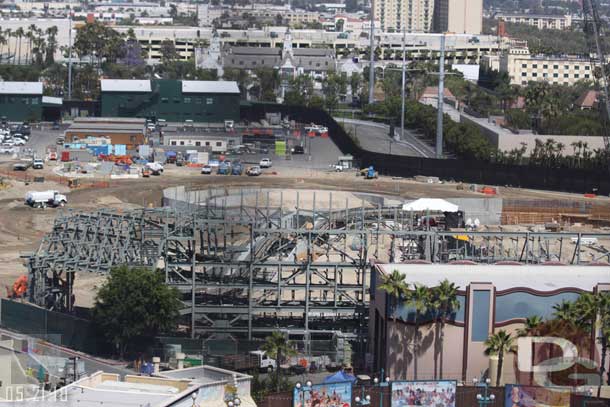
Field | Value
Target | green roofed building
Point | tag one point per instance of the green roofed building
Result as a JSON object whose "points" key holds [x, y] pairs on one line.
{"points": [[21, 101], [171, 100]]}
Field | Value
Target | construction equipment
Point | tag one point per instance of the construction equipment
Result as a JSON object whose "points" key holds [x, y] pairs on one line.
{"points": [[19, 288], [371, 173]]}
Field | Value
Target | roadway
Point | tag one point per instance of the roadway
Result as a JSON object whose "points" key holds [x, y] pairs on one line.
{"points": [[375, 137]]}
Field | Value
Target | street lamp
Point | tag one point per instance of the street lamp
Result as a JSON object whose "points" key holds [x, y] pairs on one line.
{"points": [[364, 401], [485, 398], [301, 389], [385, 383], [234, 403]]}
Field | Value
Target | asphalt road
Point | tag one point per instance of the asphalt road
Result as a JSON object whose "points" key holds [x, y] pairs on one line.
{"points": [[375, 137]]}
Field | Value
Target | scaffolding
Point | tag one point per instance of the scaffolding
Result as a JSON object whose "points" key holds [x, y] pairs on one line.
{"points": [[246, 266]]}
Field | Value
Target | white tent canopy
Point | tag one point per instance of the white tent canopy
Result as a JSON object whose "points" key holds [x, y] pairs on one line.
{"points": [[430, 204]]}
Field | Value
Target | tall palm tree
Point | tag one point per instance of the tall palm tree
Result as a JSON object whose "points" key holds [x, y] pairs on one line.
{"points": [[564, 311], [8, 33], [19, 33], [445, 304], [395, 285], [2, 44], [278, 347], [531, 323], [499, 344], [30, 35], [419, 299]]}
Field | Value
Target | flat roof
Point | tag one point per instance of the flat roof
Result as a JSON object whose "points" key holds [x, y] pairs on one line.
{"points": [[50, 100], [20, 88], [535, 277], [210, 87], [125, 85], [85, 127]]}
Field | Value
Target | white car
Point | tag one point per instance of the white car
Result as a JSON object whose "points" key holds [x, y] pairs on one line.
{"points": [[7, 150], [8, 142], [19, 142], [265, 163]]}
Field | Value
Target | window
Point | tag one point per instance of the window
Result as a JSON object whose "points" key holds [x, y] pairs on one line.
{"points": [[253, 62], [181, 142], [198, 101], [176, 100], [173, 142], [209, 101], [566, 67], [555, 66], [164, 100], [522, 74], [186, 100], [545, 66], [534, 74], [535, 66], [576, 67], [523, 65], [34, 101], [198, 143], [587, 67], [25, 101], [576, 76], [219, 144], [565, 75], [555, 75], [586, 76], [207, 143]]}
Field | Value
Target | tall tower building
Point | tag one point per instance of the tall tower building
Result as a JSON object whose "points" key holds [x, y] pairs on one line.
{"points": [[458, 16], [413, 15]]}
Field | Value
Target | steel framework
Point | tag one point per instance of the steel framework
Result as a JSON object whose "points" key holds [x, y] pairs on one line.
{"points": [[250, 269]]}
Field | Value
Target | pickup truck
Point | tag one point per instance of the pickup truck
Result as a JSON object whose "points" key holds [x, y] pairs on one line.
{"points": [[38, 164], [265, 163]]}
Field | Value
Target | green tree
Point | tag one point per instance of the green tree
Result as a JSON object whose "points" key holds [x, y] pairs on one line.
{"points": [[445, 303], [395, 285], [19, 33], [278, 347], [168, 51], [267, 81], [419, 299], [133, 306], [499, 344]]}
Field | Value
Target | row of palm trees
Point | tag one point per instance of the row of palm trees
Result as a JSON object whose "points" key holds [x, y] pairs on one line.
{"points": [[40, 45], [440, 303], [575, 320]]}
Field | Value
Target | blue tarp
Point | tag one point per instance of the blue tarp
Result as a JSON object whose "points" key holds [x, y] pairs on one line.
{"points": [[170, 153], [340, 376]]}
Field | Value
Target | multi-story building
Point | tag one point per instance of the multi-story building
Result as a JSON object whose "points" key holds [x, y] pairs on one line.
{"points": [[559, 70], [410, 15], [458, 16], [540, 21]]}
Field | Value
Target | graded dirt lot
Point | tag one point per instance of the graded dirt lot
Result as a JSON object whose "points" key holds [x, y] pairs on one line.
{"points": [[21, 227]]}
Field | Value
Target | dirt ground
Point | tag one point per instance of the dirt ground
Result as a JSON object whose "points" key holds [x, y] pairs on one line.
{"points": [[21, 227]]}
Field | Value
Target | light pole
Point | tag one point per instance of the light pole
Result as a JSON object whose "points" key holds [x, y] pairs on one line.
{"points": [[484, 399], [234, 403], [404, 83], [364, 401], [381, 386], [301, 389], [441, 94], [70, 54]]}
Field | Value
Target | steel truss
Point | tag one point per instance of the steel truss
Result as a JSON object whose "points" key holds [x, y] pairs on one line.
{"points": [[248, 270]]}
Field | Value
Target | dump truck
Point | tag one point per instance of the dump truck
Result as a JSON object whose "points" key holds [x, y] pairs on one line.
{"points": [[43, 199]]}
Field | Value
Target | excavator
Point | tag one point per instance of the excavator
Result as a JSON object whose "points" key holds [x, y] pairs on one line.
{"points": [[19, 288]]}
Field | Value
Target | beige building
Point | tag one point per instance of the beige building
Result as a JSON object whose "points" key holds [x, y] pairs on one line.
{"points": [[464, 17], [564, 70], [540, 21], [413, 15]]}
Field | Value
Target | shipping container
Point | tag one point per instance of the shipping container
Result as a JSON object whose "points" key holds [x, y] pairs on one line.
{"points": [[65, 156]]}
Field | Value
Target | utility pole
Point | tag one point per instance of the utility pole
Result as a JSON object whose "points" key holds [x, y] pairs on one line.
{"points": [[70, 55], [372, 57], [404, 83], [441, 93]]}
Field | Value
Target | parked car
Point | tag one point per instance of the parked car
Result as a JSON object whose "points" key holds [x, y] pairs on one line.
{"points": [[38, 164], [55, 126], [298, 150], [206, 169], [59, 141], [19, 142], [265, 163], [155, 168], [254, 171]]}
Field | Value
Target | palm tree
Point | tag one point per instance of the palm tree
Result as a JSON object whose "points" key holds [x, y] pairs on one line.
{"points": [[2, 44], [531, 323], [419, 300], [564, 311], [278, 348], [19, 33], [445, 304], [8, 33], [394, 284], [499, 344]]}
